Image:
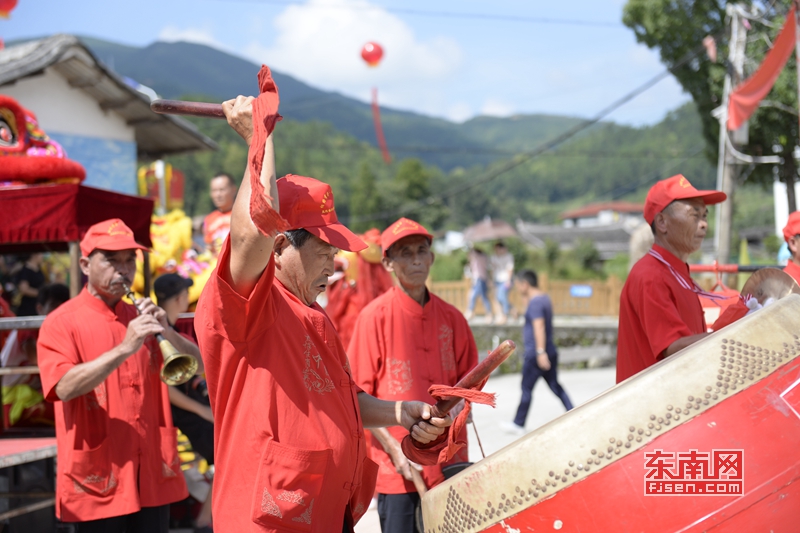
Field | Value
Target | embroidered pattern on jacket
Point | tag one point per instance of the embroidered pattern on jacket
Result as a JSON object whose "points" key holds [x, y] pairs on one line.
{"points": [[446, 348], [400, 379], [94, 479], [305, 517], [315, 375], [268, 505], [292, 497]]}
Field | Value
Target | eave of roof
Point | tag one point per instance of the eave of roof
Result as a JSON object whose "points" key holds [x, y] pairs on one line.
{"points": [[156, 135]]}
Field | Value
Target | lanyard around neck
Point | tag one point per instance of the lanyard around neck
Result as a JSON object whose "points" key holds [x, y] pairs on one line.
{"points": [[694, 287]]}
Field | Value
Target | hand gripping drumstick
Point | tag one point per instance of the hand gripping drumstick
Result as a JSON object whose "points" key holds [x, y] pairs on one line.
{"points": [[475, 376], [180, 107]]}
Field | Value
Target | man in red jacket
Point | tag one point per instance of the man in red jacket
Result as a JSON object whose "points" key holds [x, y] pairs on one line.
{"points": [[659, 311], [406, 340], [289, 440], [791, 234], [118, 466]]}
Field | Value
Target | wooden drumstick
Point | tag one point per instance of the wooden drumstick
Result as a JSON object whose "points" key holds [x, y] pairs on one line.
{"points": [[474, 377], [181, 107]]}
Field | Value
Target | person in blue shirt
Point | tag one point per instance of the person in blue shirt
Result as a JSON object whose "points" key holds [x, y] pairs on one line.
{"points": [[541, 356]]}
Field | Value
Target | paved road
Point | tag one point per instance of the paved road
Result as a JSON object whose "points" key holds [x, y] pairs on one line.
{"points": [[581, 385]]}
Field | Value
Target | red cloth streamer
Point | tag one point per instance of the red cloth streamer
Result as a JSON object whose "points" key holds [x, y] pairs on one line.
{"points": [[745, 98], [445, 447], [265, 116], [376, 118]]}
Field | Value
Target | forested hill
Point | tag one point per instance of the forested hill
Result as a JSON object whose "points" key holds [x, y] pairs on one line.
{"points": [[610, 162], [178, 69]]}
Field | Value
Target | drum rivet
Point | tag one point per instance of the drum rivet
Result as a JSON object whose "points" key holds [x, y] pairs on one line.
{"points": [[677, 417], [619, 443], [611, 440], [516, 488], [600, 454], [652, 417], [547, 482], [610, 449], [580, 466], [638, 439], [660, 419], [658, 428], [630, 437], [574, 473], [535, 494], [503, 496], [647, 433], [724, 341], [564, 479], [640, 431], [552, 473], [668, 415], [558, 524], [593, 452], [572, 463], [631, 429], [616, 451], [627, 444], [587, 468], [650, 425], [566, 470]]}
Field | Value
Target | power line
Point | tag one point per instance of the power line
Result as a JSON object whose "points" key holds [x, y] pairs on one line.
{"points": [[443, 14], [527, 156]]}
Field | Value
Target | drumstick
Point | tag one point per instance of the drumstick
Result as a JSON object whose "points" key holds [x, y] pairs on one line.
{"points": [[180, 107], [475, 376], [480, 445], [419, 483]]}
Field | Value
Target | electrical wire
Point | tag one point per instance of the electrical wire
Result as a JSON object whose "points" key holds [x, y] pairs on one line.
{"points": [[442, 14], [524, 157]]}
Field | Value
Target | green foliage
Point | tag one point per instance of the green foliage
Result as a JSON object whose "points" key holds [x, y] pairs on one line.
{"points": [[677, 28], [773, 245], [449, 267], [617, 267], [366, 199], [587, 256]]}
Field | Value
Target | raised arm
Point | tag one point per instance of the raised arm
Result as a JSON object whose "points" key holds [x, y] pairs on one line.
{"points": [[250, 250]]}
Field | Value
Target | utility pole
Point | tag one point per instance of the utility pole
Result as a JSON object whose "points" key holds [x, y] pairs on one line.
{"points": [[727, 171]]}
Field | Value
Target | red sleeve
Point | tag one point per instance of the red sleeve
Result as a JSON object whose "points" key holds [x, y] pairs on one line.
{"points": [[232, 315], [367, 350], [57, 354], [660, 317]]}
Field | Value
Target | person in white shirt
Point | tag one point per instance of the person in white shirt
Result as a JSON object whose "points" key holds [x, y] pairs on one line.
{"points": [[503, 272]]}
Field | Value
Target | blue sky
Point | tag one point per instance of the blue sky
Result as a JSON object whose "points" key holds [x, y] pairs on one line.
{"points": [[445, 66]]}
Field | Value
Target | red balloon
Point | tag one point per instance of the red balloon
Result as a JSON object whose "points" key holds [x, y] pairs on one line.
{"points": [[6, 6], [372, 53]]}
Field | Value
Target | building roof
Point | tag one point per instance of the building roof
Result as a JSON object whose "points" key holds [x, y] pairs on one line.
{"points": [[592, 210], [489, 230], [610, 240], [156, 135]]}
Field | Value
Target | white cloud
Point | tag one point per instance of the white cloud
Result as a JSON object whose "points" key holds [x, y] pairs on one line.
{"points": [[190, 35], [320, 43], [496, 108], [459, 112]]}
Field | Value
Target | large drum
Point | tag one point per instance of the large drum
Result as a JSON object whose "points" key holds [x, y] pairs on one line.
{"points": [[707, 440]]}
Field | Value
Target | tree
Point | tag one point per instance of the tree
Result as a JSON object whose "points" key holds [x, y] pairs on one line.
{"points": [[677, 28], [414, 183], [365, 200]]}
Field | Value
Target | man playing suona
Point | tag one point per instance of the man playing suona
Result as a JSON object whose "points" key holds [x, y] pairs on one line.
{"points": [[289, 438]]}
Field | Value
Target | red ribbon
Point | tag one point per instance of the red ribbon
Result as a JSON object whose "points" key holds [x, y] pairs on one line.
{"points": [[447, 445], [265, 116]]}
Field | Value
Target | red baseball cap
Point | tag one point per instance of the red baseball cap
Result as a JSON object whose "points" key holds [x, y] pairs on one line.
{"points": [[402, 228], [307, 204], [677, 187], [112, 234], [792, 226]]}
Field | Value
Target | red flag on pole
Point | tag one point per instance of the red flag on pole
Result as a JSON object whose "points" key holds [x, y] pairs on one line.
{"points": [[745, 98]]}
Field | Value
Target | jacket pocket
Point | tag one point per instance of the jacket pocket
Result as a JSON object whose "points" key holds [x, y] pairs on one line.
{"points": [[170, 462], [361, 498], [91, 471], [288, 483]]}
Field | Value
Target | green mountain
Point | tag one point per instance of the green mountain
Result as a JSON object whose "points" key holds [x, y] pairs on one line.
{"points": [[175, 70]]}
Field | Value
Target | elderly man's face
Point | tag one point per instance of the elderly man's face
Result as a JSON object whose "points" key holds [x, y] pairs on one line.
{"points": [[109, 271], [223, 193], [410, 259], [305, 270], [686, 223]]}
